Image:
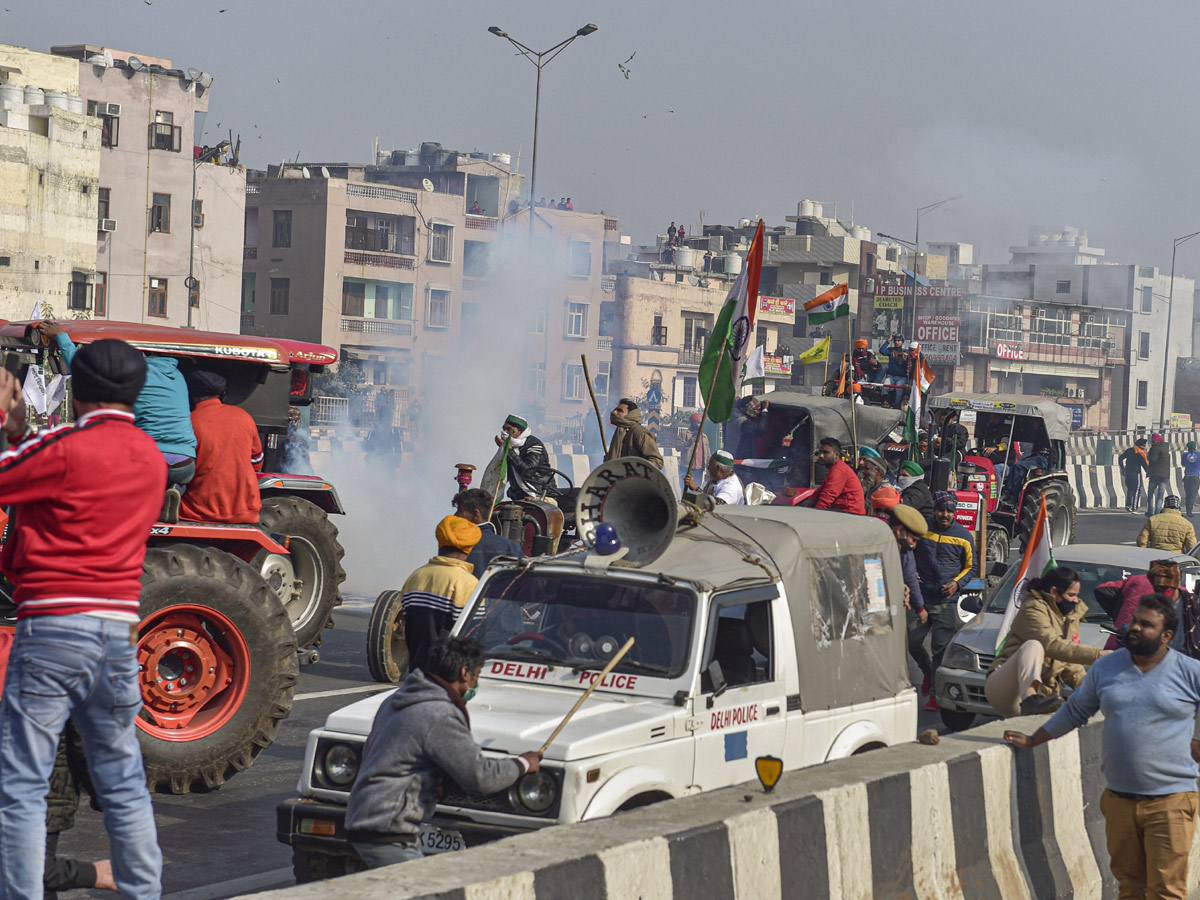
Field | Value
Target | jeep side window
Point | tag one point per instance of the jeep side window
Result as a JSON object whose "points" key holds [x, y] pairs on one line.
{"points": [[742, 645]]}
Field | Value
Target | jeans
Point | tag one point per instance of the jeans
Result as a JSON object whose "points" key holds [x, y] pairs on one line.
{"points": [[377, 856], [943, 623], [1148, 843], [82, 667], [1191, 484], [898, 394], [1156, 493]]}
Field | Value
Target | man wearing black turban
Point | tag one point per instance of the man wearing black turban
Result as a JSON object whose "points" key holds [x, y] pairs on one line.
{"points": [[85, 497]]}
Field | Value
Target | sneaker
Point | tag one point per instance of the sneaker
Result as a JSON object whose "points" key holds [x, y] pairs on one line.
{"points": [[932, 705], [926, 685], [170, 509], [1037, 705]]}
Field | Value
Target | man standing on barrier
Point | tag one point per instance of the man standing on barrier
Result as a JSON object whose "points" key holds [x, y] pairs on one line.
{"points": [[1149, 695]]}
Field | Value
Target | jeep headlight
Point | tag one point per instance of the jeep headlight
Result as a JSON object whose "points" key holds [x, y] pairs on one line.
{"points": [[340, 765], [535, 791], [959, 657]]}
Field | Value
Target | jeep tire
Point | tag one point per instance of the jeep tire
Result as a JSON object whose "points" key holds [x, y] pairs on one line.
{"points": [[387, 651]]}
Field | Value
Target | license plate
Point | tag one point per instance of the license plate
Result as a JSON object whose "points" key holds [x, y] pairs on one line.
{"points": [[440, 840]]}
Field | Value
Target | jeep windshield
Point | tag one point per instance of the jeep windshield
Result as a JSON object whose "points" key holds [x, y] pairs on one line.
{"points": [[570, 619]]}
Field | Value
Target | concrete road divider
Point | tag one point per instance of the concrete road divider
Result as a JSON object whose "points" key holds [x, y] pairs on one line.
{"points": [[968, 819]]}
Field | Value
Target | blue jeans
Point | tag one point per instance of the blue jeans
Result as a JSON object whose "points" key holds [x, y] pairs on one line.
{"points": [[1156, 493], [84, 667], [376, 856]]}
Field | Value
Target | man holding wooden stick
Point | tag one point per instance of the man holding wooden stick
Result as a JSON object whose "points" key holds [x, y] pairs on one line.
{"points": [[421, 739]]}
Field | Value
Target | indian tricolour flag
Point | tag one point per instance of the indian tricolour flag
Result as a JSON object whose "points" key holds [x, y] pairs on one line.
{"points": [[833, 304], [732, 337], [1038, 560], [912, 418]]}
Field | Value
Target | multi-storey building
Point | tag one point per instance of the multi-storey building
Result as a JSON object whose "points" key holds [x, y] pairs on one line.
{"points": [[422, 261], [158, 206], [49, 175]]}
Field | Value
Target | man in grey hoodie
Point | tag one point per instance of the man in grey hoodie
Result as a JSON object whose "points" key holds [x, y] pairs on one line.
{"points": [[420, 740]]}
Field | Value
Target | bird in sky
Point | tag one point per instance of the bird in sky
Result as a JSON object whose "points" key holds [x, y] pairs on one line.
{"points": [[622, 66]]}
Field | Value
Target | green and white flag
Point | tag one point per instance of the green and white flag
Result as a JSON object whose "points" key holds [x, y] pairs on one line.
{"points": [[732, 337]]}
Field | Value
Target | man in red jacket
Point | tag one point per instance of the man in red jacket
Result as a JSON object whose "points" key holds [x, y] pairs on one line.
{"points": [[85, 498], [229, 456], [841, 491]]}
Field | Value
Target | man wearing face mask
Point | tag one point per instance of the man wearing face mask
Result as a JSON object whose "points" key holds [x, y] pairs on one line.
{"points": [[1148, 752], [527, 459], [1042, 648], [631, 438], [420, 742]]}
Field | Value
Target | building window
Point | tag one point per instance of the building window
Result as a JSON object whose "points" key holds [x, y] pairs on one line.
{"points": [[603, 369], [164, 134], [102, 203], [573, 386], [476, 258], [581, 259], [1143, 394], [79, 295], [404, 304], [441, 243], [249, 280], [695, 332], [1143, 345], [354, 298], [157, 305], [437, 315], [109, 123], [281, 289], [1147, 299], [194, 296], [160, 213], [658, 333], [537, 379], [1145, 271], [197, 213], [577, 320], [1062, 287], [760, 335], [100, 294], [382, 301], [689, 392], [539, 322], [281, 231]]}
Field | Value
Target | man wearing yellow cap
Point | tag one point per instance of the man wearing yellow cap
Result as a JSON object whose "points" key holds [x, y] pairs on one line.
{"points": [[436, 593]]}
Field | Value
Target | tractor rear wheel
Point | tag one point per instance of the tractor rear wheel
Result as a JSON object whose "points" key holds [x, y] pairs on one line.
{"points": [[387, 651], [997, 546], [315, 556], [1060, 512], [217, 661]]}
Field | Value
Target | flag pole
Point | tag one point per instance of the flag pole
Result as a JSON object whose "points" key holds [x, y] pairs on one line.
{"points": [[500, 481], [595, 404], [853, 402], [704, 410]]}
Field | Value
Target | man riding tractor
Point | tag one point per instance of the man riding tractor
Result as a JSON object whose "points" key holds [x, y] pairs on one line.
{"points": [[225, 607], [1028, 437]]}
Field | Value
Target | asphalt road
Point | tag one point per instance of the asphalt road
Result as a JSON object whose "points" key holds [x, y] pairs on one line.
{"points": [[222, 843]]}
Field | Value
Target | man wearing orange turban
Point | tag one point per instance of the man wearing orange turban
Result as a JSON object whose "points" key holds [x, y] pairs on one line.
{"points": [[436, 593]]}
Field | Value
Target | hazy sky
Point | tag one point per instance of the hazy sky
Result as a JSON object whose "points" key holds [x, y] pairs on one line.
{"points": [[1076, 113]]}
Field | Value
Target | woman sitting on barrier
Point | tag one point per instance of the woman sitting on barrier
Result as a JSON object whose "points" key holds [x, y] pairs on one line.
{"points": [[1042, 648]]}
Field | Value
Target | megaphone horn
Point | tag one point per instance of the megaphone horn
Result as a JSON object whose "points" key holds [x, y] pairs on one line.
{"points": [[636, 499]]}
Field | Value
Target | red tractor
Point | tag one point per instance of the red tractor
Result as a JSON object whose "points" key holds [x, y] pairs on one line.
{"points": [[226, 609]]}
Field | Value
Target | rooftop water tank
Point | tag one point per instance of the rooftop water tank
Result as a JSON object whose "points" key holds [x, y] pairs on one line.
{"points": [[11, 93], [685, 256], [57, 99], [733, 264], [860, 232], [503, 159], [75, 103], [807, 208], [34, 96]]}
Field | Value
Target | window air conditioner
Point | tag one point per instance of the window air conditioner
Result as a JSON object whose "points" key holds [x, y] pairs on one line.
{"points": [[108, 109], [106, 225]]}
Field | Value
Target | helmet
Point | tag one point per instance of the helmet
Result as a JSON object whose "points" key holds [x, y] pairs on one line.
{"points": [[897, 337]]}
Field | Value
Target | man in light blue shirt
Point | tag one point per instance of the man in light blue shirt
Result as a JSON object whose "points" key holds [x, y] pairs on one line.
{"points": [[1191, 476], [1149, 695]]}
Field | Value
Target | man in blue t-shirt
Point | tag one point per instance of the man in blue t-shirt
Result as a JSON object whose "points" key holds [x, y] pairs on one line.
{"points": [[1191, 476], [1149, 695]]}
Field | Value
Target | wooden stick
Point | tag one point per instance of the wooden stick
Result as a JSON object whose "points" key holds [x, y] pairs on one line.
{"points": [[850, 385], [595, 405], [595, 684]]}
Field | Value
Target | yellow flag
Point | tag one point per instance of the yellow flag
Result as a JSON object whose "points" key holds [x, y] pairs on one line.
{"points": [[819, 352]]}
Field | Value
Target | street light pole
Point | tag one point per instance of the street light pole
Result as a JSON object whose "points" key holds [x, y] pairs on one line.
{"points": [[539, 60], [1162, 408], [921, 210]]}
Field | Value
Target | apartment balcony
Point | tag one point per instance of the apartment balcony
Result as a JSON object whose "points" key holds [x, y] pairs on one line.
{"points": [[691, 356], [380, 192], [384, 327], [378, 260], [482, 223], [604, 343], [249, 253], [247, 322]]}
